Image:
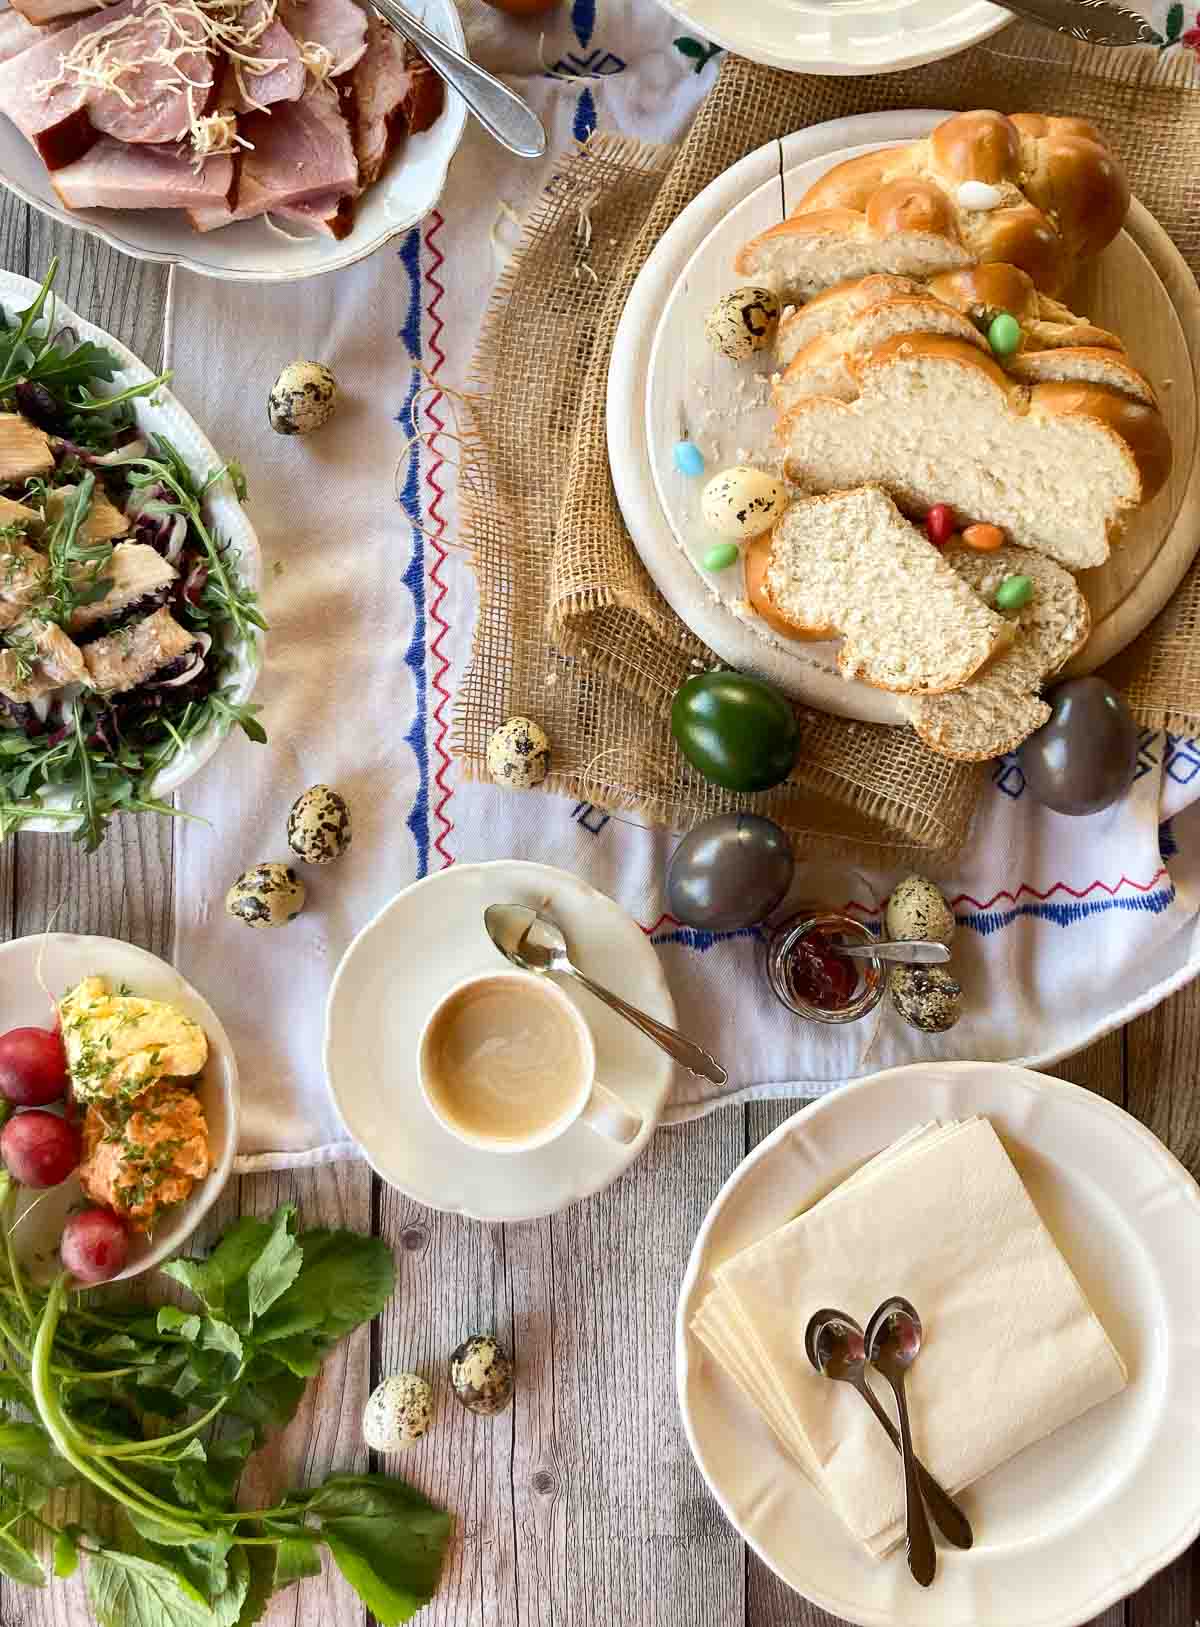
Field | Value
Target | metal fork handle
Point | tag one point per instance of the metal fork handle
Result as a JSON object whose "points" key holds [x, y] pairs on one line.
{"points": [[500, 110], [670, 1040]]}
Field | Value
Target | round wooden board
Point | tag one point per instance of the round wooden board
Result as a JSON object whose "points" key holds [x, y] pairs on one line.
{"points": [[1140, 287]]}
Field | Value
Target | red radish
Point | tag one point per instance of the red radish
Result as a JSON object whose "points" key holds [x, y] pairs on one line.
{"points": [[939, 524], [95, 1245], [39, 1148], [33, 1067]]}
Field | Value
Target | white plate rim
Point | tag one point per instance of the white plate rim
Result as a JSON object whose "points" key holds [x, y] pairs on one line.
{"points": [[446, 22], [95, 945], [624, 1157], [224, 510], [1118, 1587]]}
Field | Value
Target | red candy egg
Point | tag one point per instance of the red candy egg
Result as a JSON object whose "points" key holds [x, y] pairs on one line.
{"points": [[939, 524]]}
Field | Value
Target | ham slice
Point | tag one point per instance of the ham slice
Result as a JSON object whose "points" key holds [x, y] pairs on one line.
{"points": [[64, 123], [51, 11], [338, 26], [300, 151], [284, 83], [393, 91], [17, 35], [114, 175], [331, 216]]}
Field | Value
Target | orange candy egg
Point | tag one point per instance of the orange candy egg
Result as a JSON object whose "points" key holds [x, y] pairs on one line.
{"points": [[984, 538]]}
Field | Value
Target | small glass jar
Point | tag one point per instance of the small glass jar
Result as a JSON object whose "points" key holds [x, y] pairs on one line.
{"points": [[785, 966]]}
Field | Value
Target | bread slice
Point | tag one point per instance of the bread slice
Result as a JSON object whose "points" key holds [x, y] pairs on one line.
{"points": [[1002, 705], [852, 563], [938, 422], [806, 254], [830, 311], [1084, 364], [822, 366]]}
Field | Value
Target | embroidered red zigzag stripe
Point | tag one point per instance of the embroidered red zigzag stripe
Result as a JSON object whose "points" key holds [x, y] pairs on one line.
{"points": [[437, 529]]}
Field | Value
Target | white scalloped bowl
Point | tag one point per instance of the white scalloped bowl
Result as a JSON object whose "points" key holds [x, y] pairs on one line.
{"points": [[250, 251], [165, 416]]}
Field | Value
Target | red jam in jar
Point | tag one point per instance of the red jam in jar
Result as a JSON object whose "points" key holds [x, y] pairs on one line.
{"points": [[811, 974], [818, 974]]}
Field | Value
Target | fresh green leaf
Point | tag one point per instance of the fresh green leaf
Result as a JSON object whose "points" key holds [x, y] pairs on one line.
{"points": [[1174, 23], [25, 1451], [688, 47], [296, 1558], [172, 1320], [128, 1591], [211, 1279], [261, 1586], [19, 1563], [345, 1280], [66, 1555], [386, 1538], [277, 1266], [222, 1336], [267, 1398], [302, 1353]]}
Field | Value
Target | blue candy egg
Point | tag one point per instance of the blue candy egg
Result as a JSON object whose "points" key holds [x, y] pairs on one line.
{"points": [[689, 459]]}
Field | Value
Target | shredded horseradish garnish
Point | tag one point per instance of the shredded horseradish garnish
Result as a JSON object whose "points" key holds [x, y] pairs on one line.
{"points": [[215, 135], [163, 34], [317, 58]]}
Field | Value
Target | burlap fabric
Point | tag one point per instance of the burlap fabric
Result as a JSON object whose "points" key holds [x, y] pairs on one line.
{"points": [[571, 630]]}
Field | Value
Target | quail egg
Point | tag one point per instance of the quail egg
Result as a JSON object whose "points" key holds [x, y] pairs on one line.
{"points": [[302, 398], [267, 895], [481, 1375], [743, 502], [742, 322], [927, 997], [917, 910], [397, 1413], [518, 754], [318, 827]]}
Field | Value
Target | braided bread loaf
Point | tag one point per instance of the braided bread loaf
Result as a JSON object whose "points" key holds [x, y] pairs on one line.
{"points": [[1034, 192]]}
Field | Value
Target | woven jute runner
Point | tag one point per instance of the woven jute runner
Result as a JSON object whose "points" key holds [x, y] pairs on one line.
{"points": [[571, 629]]}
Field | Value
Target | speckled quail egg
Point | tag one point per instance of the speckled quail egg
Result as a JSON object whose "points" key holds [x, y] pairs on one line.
{"points": [[917, 909], [927, 997], [742, 322], [318, 827], [743, 502], [267, 895], [481, 1375], [302, 398], [397, 1413], [518, 754]]}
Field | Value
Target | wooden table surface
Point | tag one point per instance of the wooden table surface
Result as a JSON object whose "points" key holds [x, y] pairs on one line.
{"points": [[581, 1504]]}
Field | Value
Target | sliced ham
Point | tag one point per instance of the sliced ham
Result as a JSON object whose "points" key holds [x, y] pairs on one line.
{"points": [[299, 152], [284, 83], [136, 652], [339, 27], [136, 571], [64, 123], [17, 35], [331, 216], [393, 91], [114, 175], [40, 12]]}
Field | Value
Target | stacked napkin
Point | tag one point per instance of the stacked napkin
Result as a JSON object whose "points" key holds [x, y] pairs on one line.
{"points": [[1012, 1350]]}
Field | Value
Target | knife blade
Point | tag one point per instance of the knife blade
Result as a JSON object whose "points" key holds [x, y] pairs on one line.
{"points": [[1096, 22]]}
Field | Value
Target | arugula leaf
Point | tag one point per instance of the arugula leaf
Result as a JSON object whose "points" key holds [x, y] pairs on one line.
{"points": [[18, 1563], [25, 1451], [127, 1591], [277, 1266], [345, 1280]]}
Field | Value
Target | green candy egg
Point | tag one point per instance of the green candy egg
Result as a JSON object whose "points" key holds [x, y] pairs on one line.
{"points": [[1004, 334], [721, 557], [1014, 592]]}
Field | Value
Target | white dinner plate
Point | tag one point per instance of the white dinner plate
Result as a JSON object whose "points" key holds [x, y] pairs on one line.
{"points": [[430, 937], [250, 251], [1069, 1525], [162, 414], [842, 36], [59, 960]]}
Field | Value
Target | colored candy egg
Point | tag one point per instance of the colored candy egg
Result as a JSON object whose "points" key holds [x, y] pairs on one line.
{"points": [[939, 524], [743, 502], [1004, 334], [1083, 759], [689, 459], [1014, 593], [978, 195], [721, 557], [985, 539], [729, 872], [742, 322]]}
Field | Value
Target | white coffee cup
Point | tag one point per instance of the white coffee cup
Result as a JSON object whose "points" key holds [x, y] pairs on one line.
{"points": [[507, 1064]]}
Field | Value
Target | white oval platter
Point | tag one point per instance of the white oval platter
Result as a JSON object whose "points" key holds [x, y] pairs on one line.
{"points": [[1069, 1525], [163, 414], [250, 251]]}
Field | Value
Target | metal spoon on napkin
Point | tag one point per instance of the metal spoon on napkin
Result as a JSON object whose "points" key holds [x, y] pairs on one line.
{"points": [[833, 1342], [892, 1340], [501, 111], [535, 943]]}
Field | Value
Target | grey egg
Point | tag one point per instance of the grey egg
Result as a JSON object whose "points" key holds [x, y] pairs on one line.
{"points": [[302, 398], [318, 827], [917, 910], [730, 872], [268, 895], [1083, 759], [927, 997], [481, 1375]]}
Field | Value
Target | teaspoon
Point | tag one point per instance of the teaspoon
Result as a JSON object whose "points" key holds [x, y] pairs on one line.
{"points": [[906, 952], [834, 1345], [892, 1340], [535, 943]]}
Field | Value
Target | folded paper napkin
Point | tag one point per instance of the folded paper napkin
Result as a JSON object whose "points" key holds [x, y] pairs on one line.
{"points": [[1012, 1350]]}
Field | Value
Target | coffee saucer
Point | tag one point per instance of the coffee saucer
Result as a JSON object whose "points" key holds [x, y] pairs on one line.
{"points": [[429, 938]]}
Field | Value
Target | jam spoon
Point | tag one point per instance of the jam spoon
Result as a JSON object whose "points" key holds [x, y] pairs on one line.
{"points": [[892, 1340], [833, 1342]]}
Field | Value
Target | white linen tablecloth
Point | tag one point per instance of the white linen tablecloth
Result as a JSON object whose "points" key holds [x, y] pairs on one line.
{"points": [[1067, 927]]}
